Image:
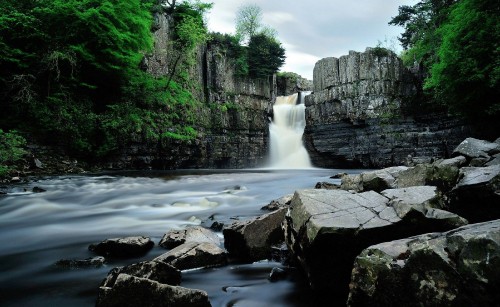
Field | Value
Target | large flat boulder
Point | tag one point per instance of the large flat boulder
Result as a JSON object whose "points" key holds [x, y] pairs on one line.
{"points": [[377, 180], [252, 239], [474, 148], [477, 194], [441, 174], [456, 268], [123, 247], [194, 255], [175, 238], [154, 270], [327, 229], [135, 291]]}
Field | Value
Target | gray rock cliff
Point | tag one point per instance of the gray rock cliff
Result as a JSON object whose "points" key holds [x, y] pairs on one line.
{"points": [[358, 115]]}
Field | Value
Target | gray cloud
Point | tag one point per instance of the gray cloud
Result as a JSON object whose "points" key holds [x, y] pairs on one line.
{"points": [[314, 29]]}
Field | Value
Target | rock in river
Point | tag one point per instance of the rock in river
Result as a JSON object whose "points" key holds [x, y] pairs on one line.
{"points": [[252, 240], [175, 238], [135, 291], [456, 268], [123, 247], [194, 255], [327, 229]]}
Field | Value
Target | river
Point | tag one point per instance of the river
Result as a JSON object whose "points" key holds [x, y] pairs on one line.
{"points": [[38, 229]]}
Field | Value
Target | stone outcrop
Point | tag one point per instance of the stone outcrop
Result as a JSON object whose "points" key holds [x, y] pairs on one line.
{"points": [[194, 255], [327, 229], [358, 115], [291, 83], [197, 234], [232, 121], [158, 271], [456, 268], [123, 247], [252, 239], [135, 291], [477, 193]]}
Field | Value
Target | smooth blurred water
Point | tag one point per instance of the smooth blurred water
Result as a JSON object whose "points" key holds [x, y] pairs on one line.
{"points": [[38, 229]]}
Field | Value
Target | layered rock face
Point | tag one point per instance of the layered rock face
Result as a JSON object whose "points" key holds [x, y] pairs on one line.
{"points": [[232, 121], [356, 116]]}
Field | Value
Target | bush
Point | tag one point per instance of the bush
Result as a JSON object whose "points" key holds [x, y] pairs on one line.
{"points": [[11, 149]]}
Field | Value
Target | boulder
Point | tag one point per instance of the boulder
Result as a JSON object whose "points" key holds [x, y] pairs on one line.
{"points": [[327, 229], [377, 180], [327, 185], [153, 270], [175, 238], [381, 179], [457, 161], [474, 148], [494, 161], [95, 262], [194, 255], [442, 175], [278, 203], [135, 291], [477, 194], [123, 247], [456, 268], [252, 239]]}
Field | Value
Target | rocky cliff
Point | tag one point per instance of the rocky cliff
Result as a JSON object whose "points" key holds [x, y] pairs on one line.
{"points": [[232, 121], [358, 114]]}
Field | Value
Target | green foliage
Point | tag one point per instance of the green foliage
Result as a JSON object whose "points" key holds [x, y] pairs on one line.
{"points": [[248, 21], [265, 56], [71, 72], [420, 22], [11, 149], [234, 50], [467, 75], [288, 75]]}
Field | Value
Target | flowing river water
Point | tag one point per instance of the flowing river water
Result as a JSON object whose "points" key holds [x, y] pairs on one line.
{"points": [[38, 229]]}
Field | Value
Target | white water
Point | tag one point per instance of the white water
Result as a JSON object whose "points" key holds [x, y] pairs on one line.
{"points": [[286, 130]]}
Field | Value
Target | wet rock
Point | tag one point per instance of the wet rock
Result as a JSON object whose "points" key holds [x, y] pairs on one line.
{"points": [[327, 186], [123, 247], [456, 268], [377, 180], [193, 255], [37, 163], [476, 195], [457, 161], [474, 148], [327, 229], [278, 203], [38, 190], [217, 226], [153, 270], [442, 175], [81, 263], [252, 239], [494, 161], [277, 274], [135, 291], [15, 179], [175, 238], [338, 176]]}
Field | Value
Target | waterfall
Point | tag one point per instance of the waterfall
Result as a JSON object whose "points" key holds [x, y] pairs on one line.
{"points": [[286, 148]]}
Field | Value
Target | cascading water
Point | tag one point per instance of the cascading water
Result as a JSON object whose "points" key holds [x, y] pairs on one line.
{"points": [[286, 148]]}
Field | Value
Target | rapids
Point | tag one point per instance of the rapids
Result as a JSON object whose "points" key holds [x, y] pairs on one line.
{"points": [[38, 229]]}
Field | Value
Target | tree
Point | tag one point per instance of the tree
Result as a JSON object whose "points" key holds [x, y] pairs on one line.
{"points": [[265, 56], [420, 21], [248, 21], [466, 76]]}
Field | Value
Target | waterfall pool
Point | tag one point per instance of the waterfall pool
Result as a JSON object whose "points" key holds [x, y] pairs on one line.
{"points": [[38, 229]]}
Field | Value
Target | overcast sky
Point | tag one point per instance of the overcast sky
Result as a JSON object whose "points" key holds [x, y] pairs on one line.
{"points": [[314, 29]]}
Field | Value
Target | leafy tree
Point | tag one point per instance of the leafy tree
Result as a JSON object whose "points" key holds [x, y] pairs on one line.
{"points": [[248, 21], [265, 56], [466, 75], [11, 149], [420, 22], [71, 72]]}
